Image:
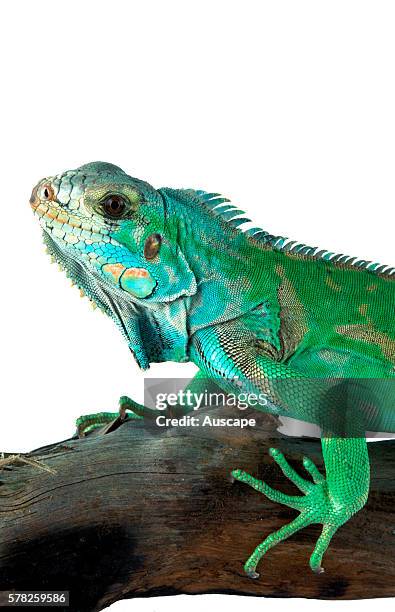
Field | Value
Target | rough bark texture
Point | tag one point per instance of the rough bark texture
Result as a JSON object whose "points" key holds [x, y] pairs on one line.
{"points": [[145, 511]]}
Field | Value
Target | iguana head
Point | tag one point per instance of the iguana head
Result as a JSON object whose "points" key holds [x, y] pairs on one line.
{"points": [[162, 263], [109, 232]]}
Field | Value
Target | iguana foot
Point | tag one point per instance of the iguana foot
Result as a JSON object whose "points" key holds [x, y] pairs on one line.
{"points": [[109, 420], [318, 505]]}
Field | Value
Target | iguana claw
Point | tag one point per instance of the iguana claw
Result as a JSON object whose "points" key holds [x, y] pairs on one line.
{"points": [[252, 574]]}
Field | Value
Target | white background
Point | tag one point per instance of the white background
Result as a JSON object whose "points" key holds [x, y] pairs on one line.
{"points": [[286, 107]]}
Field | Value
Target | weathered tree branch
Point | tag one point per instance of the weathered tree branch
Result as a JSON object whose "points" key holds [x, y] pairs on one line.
{"points": [[144, 511]]}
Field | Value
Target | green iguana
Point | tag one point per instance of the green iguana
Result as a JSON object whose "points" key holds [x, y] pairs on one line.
{"points": [[313, 331]]}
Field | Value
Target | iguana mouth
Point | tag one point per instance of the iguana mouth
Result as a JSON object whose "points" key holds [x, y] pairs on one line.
{"points": [[51, 217]]}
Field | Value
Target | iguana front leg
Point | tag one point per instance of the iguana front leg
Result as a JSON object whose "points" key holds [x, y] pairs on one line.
{"points": [[332, 499], [130, 409]]}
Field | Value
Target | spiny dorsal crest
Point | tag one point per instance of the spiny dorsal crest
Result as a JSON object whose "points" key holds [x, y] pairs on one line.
{"points": [[222, 207]]}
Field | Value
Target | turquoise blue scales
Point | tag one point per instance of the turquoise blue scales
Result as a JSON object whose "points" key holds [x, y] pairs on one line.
{"points": [[256, 312]]}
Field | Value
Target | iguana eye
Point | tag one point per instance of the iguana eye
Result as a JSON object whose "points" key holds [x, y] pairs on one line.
{"points": [[47, 193], [114, 205], [152, 246]]}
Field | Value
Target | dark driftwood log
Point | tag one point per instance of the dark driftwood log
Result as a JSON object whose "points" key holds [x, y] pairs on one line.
{"points": [[143, 511]]}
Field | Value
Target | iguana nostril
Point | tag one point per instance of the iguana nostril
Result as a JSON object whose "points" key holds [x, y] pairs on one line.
{"points": [[47, 193]]}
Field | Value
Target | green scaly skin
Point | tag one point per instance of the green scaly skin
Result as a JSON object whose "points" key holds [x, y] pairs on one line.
{"points": [[313, 331]]}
